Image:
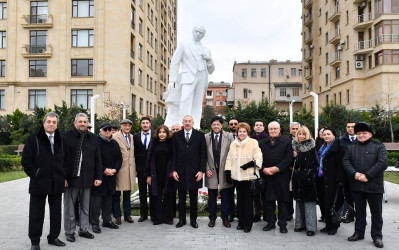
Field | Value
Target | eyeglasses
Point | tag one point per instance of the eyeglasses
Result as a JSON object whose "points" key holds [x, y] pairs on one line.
{"points": [[233, 123], [107, 129]]}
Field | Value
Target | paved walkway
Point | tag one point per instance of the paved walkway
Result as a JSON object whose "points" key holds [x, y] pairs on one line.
{"points": [[14, 204]]}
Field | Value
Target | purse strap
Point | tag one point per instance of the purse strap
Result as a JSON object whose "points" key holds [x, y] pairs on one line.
{"points": [[255, 169], [336, 194]]}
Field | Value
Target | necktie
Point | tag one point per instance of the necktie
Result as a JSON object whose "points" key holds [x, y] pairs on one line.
{"points": [[235, 136], [145, 140], [187, 137], [216, 140], [51, 143], [127, 141], [352, 138]]}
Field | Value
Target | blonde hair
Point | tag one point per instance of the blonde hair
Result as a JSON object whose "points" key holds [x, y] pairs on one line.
{"points": [[303, 130]]}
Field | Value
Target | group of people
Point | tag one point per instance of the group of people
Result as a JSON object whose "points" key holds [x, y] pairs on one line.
{"points": [[93, 171]]}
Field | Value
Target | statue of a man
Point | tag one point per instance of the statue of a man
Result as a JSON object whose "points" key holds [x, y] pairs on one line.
{"points": [[186, 90]]}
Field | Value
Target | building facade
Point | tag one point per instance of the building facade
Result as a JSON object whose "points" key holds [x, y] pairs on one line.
{"points": [[278, 81], [216, 96], [54, 51], [351, 52]]}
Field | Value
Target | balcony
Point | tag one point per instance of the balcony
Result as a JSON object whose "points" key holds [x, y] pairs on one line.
{"points": [[334, 14], [387, 38], [308, 74], [334, 36], [308, 38], [335, 59], [209, 97], [38, 51], [308, 55], [363, 21], [37, 21], [364, 47], [308, 4], [308, 20]]}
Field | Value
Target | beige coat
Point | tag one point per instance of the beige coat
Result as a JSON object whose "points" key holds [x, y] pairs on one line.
{"points": [[212, 182], [241, 153], [126, 177]]}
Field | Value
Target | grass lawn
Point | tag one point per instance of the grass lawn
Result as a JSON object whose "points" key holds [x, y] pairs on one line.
{"points": [[392, 177], [12, 175]]}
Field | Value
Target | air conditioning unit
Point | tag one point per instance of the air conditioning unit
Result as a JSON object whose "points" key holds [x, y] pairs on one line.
{"points": [[342, 42], [359, 64], [250, 91], [339, 47], [311, 46], [363, 5], [359, 58], [41, 20]]}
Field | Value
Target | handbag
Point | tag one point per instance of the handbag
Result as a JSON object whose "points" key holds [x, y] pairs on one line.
{"points": [[344, 212], [257, 185]]}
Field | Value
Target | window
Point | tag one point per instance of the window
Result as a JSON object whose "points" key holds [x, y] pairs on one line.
{"points": [[148, 58], [209, 102], [2, 97], [311, 106], [2, 68], [244, 73], [293, 71], [37, 68], [81, 97], [263, 72], [326, 79], [148, 82], [335, 99], [150, 109], [327, 100], [281, 72], [147, 107], [3, 11], [140, 26], [83, 8], [148, 35], [141, 106], [253, 72], [295, 91], [217, 93], [133, 103], [387, 57], [38, 41], [140, 51], [386, 7], [337, 72], [340, 98], [283, 92], [224, 93], [3, 39], [370, 62], [209, 93], [347, 96], [326, 58], [245, 93], [131, 73], [140, 78], [132, 15], [82, 67], [263, 94], [326, 38], [37, 98], [38, 12], [82, 38], [385, 29], [217, 103], [300, 73], [347, 67]]}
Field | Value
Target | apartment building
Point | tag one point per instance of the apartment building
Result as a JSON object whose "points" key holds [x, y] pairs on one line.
{"points": [[351, 52], [69, 50], [278, 81], [216, 96]]}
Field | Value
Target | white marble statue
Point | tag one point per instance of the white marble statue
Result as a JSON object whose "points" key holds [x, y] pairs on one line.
{"points": [[186, 89]]}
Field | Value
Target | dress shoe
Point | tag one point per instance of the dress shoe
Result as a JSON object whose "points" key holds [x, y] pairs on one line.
{"points": [[324, 230], [240, 227], [96, 229], [355, 237], [194, 224], [378, 243], [211, 223], [269, 227], [180, 223], [86, 235], [332, 231], [283, 230], [110, 224], [70, 237], [129, 219], [231, 218], [349, 220], [310, 233], [247, 230], [226, 223], [142, 218], [56, 242], [256, 218], [300, 229], [118, 220], [35, 247]]}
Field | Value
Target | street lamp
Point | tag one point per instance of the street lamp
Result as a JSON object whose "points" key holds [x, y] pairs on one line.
{"points": [[92, 107], [124, 110], [316, 112], [291, 104]]}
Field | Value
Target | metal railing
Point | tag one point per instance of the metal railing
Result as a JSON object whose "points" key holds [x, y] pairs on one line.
{"points": [[36, 49], [333, 11], [387, 38], [364, 18], [33, 19], [308, 54], [308, 72], [335, 56], [368, 44], [333, 34]]}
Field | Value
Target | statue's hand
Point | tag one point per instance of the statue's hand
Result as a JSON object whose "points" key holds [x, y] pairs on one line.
{"points": [[206, 57]]}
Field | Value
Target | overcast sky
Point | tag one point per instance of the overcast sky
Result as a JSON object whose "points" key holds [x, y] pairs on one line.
{"points": [[243, 30]]}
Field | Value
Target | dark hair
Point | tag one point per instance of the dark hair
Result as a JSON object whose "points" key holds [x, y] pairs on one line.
{"points": [[245, 126], [217, 118], [259, 120], [145, 118], [233, 118], [350, 122], [164, 127], [332, 130]]}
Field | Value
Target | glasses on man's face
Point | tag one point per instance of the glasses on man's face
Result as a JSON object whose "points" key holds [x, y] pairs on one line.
{"points": [[233, 123], [107, 129]]}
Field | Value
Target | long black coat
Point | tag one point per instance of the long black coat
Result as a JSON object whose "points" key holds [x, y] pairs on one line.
{"points": [[91, 168], [305, 170], [189, 158], [279, 155], [140, 152], [47, 172], [111, 157]]}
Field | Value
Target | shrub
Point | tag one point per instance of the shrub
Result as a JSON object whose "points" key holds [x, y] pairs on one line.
{"points": [[8, 150], [6, 164]]}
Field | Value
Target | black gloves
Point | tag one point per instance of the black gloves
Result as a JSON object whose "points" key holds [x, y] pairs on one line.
{"points": [[228, 177], [250, 164]]}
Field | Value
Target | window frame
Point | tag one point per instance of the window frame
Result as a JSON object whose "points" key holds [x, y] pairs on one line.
{"points": [[75, 8], [88, 95], [75, 38], [34, 64], [75, 66], [36, 96]]}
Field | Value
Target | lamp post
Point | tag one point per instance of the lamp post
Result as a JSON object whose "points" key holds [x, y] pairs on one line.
{"points": [[92, 111], [291, 104], [316, 112], [124, 110]]}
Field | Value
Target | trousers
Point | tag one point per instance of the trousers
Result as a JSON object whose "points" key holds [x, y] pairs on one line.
{"points": [[70, 197]]}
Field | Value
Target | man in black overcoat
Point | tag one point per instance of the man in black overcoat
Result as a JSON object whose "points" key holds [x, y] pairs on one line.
{"points": [[188, 166]]}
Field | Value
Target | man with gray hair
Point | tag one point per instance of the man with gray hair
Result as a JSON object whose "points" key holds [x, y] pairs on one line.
{"points": [[43, 161], [83, 160]]}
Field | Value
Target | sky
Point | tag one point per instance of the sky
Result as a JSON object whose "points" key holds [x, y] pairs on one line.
{"points": [[256, 30]]}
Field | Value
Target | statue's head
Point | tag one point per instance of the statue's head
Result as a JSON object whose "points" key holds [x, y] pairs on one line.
{"points": [[198, 33]]}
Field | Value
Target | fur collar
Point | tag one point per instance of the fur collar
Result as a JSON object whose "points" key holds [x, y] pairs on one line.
{"points": [[303, 146]]}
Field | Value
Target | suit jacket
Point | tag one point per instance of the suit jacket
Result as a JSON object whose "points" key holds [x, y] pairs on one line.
{"points": [[140, 152], [126, 177], [189, 158], [213, 182], [190, 62]]}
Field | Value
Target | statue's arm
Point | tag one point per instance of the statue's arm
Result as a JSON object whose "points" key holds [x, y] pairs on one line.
{"points": [[210, 65], [175, 63]]}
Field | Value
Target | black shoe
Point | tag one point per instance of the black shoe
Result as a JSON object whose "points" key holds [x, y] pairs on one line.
{"points": [[86, 235], [142, 218], [355, 237], [289, 218], [309, 233], [110, 224], [70, 237], [35, 247], [211, 223], [300, 229], [378, 243], [56, 242], [332, 231], [324, 230], [269, 227], [247, 230], [283, 230], [256, 218], [180, 223], [240, 227], [231, 218], [194, 224], [96, 229]]}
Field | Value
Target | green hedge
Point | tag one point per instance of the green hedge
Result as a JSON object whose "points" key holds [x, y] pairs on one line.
{"points": [[8, 150], [10, 162]]}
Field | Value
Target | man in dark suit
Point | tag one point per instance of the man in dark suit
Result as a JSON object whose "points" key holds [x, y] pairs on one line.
{"points": [[188, 166], [43, 161], [141, 141]]}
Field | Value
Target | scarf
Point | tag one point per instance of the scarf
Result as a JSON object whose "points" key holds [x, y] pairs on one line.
{"points": [[78, 154], [322, 153], [105, 138], [260, 136]]}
